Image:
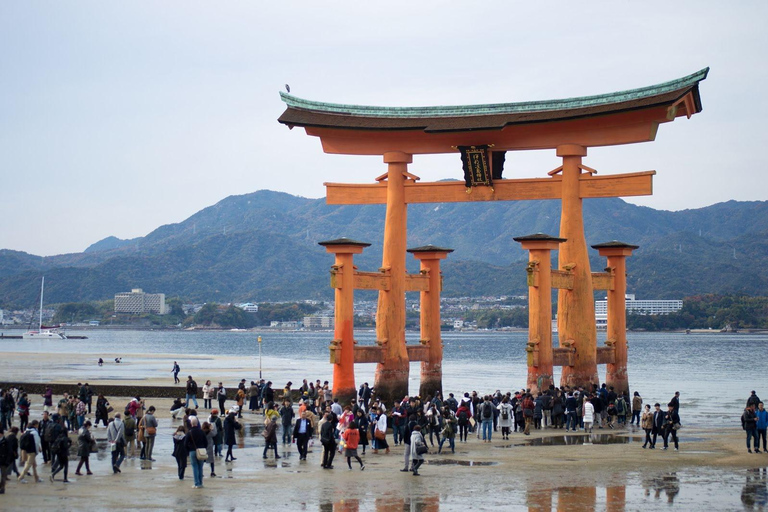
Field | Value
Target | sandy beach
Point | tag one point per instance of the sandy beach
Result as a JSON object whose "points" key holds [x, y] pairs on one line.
{"points": [[548, 470]]}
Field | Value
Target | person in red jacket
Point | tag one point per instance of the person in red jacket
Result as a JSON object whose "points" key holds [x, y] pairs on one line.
{"points": [[463, 414], [351, 438]]}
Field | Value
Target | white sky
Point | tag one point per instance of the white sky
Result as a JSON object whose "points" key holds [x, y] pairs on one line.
{"points": [[118, 117]]}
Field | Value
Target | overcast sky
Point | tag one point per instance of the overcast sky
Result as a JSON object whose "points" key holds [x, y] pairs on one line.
{"points": [[118, 117]]}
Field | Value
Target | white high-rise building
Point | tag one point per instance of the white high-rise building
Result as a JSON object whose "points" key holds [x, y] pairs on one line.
{"points": [[136, 301], [637, 307]]}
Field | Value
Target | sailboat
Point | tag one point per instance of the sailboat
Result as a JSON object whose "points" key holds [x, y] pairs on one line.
{"points": [[43, 332]]}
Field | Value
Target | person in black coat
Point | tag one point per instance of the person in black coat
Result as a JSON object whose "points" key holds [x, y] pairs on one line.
{"points": [[194, 440], [328, 440], [659, 417], [671, 422], [302, 431], [231, 425], [180, 452]]}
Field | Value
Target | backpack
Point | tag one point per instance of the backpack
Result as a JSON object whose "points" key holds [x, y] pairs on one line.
{"points": [[504, 413], [487, 413], [620, 406], [5, 452], [48, 434], [130, 431], [27, 442], [463, 418]]}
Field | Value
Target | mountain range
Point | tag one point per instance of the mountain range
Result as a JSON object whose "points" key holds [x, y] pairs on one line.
{"points": [[262, 246]]}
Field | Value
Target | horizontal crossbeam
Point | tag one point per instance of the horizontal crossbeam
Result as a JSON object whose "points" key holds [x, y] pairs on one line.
{"points": [[617, 185]]}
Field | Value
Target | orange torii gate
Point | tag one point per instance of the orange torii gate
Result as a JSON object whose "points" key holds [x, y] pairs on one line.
{"points": [[482, 133]]}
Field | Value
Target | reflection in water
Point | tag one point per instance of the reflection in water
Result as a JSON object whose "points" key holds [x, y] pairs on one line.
{"points": [[754, 496], [581, 498], [386, 504], [666, 482], [567, 440]]}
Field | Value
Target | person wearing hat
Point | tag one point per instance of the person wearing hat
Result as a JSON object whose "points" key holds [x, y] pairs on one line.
{"points": [[231, 425]]}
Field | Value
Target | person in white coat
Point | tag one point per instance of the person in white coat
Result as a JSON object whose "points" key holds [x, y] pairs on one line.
{"points": [[589, 415], [417, 440], [506, 413], [381, 425]]}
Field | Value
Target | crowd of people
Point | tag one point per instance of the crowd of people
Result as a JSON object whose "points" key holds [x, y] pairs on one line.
{"points": [[418, 424]]}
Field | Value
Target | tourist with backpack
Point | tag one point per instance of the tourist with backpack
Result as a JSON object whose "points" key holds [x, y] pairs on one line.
{"points": [[505, 417], [463, 415], [29, 444], [485, 411], [191, 391], [621, 410]]}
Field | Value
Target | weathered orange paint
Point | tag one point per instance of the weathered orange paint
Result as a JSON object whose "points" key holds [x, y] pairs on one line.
{"points": [[539, 500], [615, 498], [391, 381], [540, 314], [429, 319], [616, 373], [615, 185], [344, 370], [577, 499], [608, 130], [576, 307]]}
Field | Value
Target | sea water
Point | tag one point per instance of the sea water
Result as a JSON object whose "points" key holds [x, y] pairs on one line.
{"points": [[713, 372]]}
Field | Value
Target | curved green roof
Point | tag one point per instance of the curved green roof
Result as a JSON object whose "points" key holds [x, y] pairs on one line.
{"points": [[686, 82]]}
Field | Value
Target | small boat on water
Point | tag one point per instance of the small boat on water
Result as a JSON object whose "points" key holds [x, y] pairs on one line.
{"points": [[42, 331]]}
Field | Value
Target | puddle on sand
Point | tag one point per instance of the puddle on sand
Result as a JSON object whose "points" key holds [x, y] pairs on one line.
{"points": [[453, 462], [575, 440]]}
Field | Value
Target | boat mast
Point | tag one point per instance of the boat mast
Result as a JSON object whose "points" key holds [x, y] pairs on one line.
{"points": [[42, 288]]}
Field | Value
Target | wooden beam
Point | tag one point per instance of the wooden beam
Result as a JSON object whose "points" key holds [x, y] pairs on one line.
{"points": [[417, 282], [372, 281], [606, 355], [418, 352], [617, 185], [562, 280], [369, 354], [562, 356], [602, 280]]}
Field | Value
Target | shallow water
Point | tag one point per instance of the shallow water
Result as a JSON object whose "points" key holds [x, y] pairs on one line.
{"points": [[708, 369]]}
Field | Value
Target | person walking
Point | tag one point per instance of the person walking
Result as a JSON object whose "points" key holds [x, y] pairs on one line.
{"points": [[150, 431], [218, 439], [328, 440], [44, 424], [588, 415], [191, 391], [85, 442], [6, 460], [210, 434], [671, 424], [286, 416], [749, 424], [129, 428], [175, 371], [102, 411], [47, 399], [302, 431], [30, 446], [206, 394], [505, 417], [762, 426], [418, 449], [61, 447], [180, 452], [658, 423], [221, 395], [231, 425], [381, 432], [637, 408], [116, 441], [463, 415], [23, 408], [449, 429], [647, 423], [351, 438], [270, 436], [196, 444]]}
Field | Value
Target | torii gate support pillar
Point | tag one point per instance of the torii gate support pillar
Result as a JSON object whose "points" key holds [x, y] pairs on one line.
{"points": [[391, 381], [539, 349], [432, 369], [343, 344], [616, 335]]}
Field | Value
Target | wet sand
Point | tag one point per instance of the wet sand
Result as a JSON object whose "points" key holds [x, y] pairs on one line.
{"points": [[711, 469]]}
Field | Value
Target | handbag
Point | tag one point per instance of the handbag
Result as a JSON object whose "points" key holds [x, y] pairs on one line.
{"points": [[200, 453], [677, 426], [378, 434], [110, 409], [421, 449], [151, 431]]}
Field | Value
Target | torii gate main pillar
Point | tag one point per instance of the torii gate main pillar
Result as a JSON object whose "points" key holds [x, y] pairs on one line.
{"points": [[576, 307], [391, 381]]}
